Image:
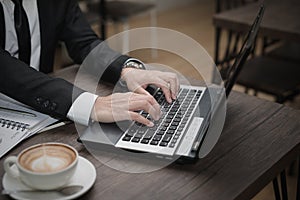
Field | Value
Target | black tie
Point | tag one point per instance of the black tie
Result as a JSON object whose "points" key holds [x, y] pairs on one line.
{"points": [[2, 28], [23, 32]]}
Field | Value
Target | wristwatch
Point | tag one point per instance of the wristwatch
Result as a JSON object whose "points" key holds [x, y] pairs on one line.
{"points": [[134, 63]]}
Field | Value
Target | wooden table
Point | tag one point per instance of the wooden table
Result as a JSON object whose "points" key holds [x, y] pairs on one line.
{"points": [[259, 140], [281, 19]]}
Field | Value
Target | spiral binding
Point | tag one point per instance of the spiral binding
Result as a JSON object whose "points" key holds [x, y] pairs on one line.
{"points": [[5, 123]]}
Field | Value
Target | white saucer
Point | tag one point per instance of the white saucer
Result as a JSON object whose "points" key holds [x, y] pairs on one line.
{"points": [[85, 175]]}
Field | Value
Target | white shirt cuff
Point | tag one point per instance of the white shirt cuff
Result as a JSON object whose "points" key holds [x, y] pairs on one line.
{"points": [[81, 108]]}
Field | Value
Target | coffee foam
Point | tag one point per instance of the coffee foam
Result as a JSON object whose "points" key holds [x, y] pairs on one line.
{"points": [[47, 158]]}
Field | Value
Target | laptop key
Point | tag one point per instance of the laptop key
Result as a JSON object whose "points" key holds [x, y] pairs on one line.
{"points": [[151, 131], [129, 134], [167, 121], [177, 119], [167, 138], [171, 132], [179, 115], [138, 135], [161, 132], [180, 128], [170, 116], [166, 124], [126, 138], [163, 144], [135, 139], [154, 142], [141, 131], [148, 136], [157, 137], [162, 129], [145, 141], [133, 130], [178, 134], [172, 145], [184, 121], [172, 113]]}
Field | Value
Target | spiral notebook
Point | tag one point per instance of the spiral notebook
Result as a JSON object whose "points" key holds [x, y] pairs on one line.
{"points": [[18, 122]]}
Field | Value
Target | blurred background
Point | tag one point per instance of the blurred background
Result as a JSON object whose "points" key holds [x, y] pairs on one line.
{"points": [[272, 71]]}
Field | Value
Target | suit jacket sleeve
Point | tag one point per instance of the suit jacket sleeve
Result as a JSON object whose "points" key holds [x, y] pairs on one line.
{"points": [[80, 40], [49, 95]]}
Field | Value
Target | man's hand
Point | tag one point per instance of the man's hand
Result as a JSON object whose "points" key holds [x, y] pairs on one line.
{"points": [[137, 80], [121, 106]]}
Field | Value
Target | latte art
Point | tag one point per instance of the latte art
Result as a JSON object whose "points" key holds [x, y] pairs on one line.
{"points": [[48, 164], [47, 158]]}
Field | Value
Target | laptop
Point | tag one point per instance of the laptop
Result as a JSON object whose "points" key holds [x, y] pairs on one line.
{"points": [[189, 127]]}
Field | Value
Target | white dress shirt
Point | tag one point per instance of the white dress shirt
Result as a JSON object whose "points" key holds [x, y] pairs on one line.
{"points": [[81, 108]]}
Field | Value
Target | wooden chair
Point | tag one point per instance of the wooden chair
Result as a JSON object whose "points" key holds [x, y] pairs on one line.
{"points": [[272, 75], [287, 51], [274, 71]]}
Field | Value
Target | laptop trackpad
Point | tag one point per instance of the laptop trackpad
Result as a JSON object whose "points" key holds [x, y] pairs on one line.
{"points": [[104, 133]]}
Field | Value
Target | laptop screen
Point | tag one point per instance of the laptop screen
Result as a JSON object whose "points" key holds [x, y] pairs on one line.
{"points": [[241, 58], [218, 115]]}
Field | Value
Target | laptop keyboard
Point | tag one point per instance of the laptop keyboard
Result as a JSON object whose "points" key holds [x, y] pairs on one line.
{"points": [[167, 131]]}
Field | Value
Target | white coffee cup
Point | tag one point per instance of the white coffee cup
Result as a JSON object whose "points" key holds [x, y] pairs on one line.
{"points": [[43, 166]]}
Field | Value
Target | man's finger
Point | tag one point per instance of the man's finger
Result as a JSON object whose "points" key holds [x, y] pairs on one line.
{"points": [[148, 105], [139, 118], [173, 85], [167, 93], [141, 90]]}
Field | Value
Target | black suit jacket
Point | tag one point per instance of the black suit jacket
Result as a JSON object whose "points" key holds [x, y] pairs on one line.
{"points": [[59, 20]]}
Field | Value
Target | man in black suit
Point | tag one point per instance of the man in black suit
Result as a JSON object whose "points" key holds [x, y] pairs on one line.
{"points": [[29, 33]]}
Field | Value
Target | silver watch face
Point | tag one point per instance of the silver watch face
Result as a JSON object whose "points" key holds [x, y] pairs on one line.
{"points": [[134, 64]]}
